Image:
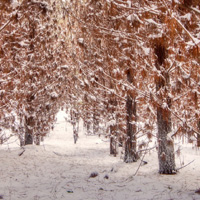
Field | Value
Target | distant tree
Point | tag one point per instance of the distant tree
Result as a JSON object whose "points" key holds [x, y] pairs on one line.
{"points": [[101, 60]]}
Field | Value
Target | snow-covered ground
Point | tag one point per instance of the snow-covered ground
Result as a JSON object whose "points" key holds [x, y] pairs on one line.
{"points": [[58, 169]]}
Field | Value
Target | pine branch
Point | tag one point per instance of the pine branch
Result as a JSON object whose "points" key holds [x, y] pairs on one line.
{"points": [[149, 149], [195, 131], [194, 40], [11, 18], [132, 87], [196, 10], [6, 24]]}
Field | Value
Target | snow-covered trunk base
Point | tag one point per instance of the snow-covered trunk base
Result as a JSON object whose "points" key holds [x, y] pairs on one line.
{"points": [[165, 143], [130, 143]]}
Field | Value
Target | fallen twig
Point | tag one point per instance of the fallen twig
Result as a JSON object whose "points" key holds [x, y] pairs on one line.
{"points": [[59, 154], [147, 149], [21, 153], [185, 165], [142, 161]]}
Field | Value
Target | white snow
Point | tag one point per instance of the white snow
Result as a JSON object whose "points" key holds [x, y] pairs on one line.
{"points": [[187, 16], [54, 95], [58, 169], [129, 18], [129, 3], [133, 17], [64, 67], [146, 51], [151, 21], [81, 40]]}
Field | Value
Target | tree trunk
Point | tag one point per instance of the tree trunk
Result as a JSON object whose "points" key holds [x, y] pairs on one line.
{"points": [[95, 123], [21, 139], [130, 143], [198, 135], [28, 137], [113, 127], [75, 129], [75, 124], [88, 128], [87, 124], [37, 139], [28, 132], [113, 142], [75, 134], [21, 136], [165, 143]]}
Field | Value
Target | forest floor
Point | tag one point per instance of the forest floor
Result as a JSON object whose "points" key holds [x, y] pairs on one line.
{"points": [[59, 169]]}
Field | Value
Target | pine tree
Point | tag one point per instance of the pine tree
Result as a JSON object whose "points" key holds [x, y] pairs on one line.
{"points": [[36, 77]]}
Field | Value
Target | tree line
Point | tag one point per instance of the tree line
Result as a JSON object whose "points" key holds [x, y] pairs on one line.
{"points": [[128, 69]]}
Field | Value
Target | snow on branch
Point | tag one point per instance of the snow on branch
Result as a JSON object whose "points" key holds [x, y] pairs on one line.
{"points": [[6, 24], [196, 10], [195, 40], [11, 18]]}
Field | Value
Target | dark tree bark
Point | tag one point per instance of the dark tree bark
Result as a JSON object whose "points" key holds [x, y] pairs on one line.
{"points": [[87, 124], [198, 135], [113, 142], [28, 137], [88, 128], [113, 127], [95, 123], [165, 143], [28, 131], [130, 143]]}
